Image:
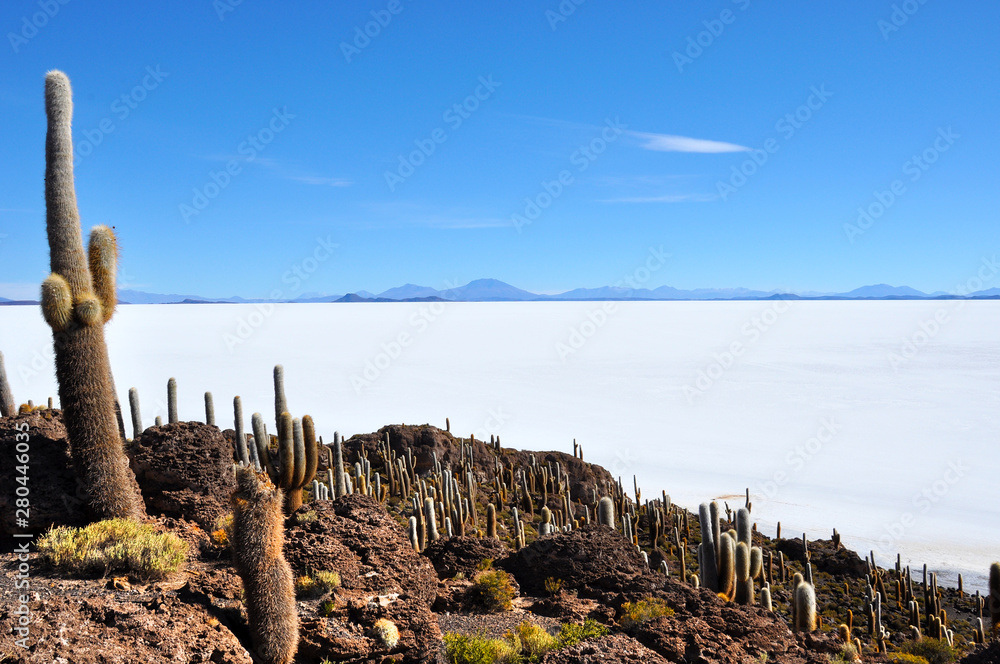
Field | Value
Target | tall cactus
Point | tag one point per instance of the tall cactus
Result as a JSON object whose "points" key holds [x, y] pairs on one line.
{"points": [[258, 536], [727, 565], [707, 561], [744, 579], [7, 406], [78, 298]]}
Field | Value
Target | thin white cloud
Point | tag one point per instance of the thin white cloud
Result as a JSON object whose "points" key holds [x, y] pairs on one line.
{"points": [[668, 198], [321, 181], [671, 143]]}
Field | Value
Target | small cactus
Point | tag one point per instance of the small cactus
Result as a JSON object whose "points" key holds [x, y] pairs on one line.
{"points": [[805, 607], [606, 512], [727, 565], [172, 401], [744, 593], [133, 403], [386, 633], [765, 598], [491, 521], [209, 409]]}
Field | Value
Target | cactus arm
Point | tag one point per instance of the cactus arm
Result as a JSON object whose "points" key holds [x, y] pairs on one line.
{"points": [[103, 254], [57, 303], [299, 455], [262, 441], [286, 451], [62, 218], [312, 448]]}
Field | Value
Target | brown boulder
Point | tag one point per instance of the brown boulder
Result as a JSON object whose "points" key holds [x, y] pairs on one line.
{"points": [[185, 471]]}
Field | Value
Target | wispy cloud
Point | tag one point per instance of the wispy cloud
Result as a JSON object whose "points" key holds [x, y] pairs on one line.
{"points": [[410, 213], [671, 143], [321, 181], [668, 198]]}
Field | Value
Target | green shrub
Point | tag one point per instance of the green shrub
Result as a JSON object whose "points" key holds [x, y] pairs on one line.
{"points": [[571, 634], [535, 641], [553, 586], [492, 591], [636, 613], [906, 658], [935, 651], [480, 649], [115, 545], [848, 655], [316, 584]]}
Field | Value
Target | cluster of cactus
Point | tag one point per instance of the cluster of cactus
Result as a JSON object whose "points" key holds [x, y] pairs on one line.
{"points": [[78, 299]]}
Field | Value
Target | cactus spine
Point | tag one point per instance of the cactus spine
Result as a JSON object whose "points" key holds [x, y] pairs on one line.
{"points": [[267, 578], [7, 406], [78, 298]]}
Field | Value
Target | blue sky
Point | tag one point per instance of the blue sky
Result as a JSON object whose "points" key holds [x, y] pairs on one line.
{"points": [[313, 122]]}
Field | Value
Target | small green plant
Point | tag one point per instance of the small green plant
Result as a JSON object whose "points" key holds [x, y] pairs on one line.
{"points": [[485, 564], [327, 607], [935, 651], [386, 633], [306, 517], [223, 532], [316, 584], [535, 641], [636, 613], [115, 545], [492, 591], [571, 634], [848, 655], [480, 649], [906, 658], [553, 586]]}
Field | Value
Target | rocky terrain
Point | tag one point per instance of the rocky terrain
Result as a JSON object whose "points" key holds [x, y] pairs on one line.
{"points": [[185, 473]]}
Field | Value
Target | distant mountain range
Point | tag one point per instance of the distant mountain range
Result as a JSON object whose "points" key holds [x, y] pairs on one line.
{"points": [[493, 290]]}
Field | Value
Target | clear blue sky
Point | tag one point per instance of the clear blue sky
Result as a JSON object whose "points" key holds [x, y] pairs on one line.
{"points": [[552, 86]]}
